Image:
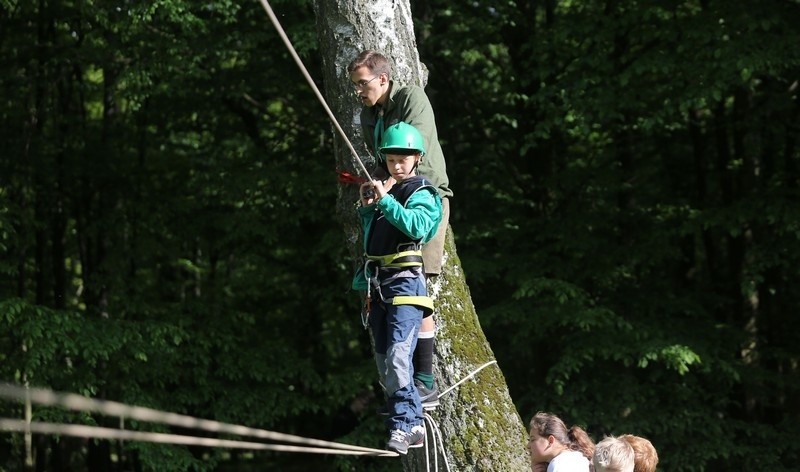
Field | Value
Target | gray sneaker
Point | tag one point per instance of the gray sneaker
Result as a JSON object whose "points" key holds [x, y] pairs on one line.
{"points": [[400, 441], [429, 397], [416, 438]]}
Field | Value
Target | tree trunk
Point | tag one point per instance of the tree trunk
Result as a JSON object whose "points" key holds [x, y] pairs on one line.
{"points": [[480, 426]]}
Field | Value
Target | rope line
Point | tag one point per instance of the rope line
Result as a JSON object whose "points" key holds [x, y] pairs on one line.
{"points": [[435, 432], [81, 403], [84, 431], [433, 427], [471, 374], [310, 81]]}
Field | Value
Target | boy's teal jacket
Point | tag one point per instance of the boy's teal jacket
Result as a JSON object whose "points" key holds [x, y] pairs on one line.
{"points": [[418, 220]]}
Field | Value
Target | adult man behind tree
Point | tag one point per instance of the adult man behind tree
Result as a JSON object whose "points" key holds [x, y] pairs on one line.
{"points": [[387, 103]]}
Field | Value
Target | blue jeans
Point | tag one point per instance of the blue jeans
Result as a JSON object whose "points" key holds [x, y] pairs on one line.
{"points": [[394, 330]]}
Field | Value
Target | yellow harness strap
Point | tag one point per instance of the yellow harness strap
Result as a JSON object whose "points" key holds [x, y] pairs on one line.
{"points": [[399, 260], [424, 302]]}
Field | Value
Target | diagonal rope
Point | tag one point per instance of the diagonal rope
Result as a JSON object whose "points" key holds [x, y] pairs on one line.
{"points": [[310, 81], [81, 403], [471, 374]]}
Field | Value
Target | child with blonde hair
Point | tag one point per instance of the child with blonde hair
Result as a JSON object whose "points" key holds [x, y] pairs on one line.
{"points": [[613, 455]]}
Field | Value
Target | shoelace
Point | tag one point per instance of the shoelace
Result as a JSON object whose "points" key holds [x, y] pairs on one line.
{"points": [[398, 435]]}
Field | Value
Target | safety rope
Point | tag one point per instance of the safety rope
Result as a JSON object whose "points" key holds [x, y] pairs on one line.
{"points": [[471, 374], [436, 434], [310, 81], [110, 408]]}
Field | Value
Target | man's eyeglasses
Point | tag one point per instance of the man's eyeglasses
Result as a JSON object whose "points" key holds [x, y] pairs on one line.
{"points": [[363, 83]]}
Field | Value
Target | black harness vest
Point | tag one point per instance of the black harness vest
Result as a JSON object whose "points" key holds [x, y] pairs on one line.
{"points": [[384, 238]]}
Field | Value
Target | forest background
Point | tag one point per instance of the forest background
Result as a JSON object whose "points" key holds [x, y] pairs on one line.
{"points": [[626, 213]]}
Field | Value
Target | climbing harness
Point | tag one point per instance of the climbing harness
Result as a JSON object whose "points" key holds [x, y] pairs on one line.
{"points": [[409, 259], [399, 256]]}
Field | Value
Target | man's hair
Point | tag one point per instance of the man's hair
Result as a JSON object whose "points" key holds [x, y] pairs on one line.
{"points": [[613, 455], [372, 60], [646, 457]]}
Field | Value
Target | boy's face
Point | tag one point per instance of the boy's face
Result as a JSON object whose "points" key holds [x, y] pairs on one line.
{"points": [[402, 166], [369, 86]]}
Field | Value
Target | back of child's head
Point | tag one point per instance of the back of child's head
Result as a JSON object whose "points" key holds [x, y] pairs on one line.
{"points": [[646, 457], [613, 455], [547, 424]]}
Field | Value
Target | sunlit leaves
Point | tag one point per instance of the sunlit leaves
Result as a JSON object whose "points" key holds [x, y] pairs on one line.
{"points": [[643, 148]]}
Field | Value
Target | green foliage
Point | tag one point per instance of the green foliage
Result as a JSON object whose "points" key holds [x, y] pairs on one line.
{"points": [[170, 205], [624, 222], [625, 177]]}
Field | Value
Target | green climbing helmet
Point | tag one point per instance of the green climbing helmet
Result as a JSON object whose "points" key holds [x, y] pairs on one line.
{"points": [[402, 138]]}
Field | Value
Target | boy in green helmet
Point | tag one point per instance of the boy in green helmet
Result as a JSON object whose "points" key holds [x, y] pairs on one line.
{"points": [[385, 104], [397, 220]]}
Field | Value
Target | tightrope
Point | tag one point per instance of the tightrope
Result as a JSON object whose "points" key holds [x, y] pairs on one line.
{"points": [[80, 403], [110, 408], [83, 431]]}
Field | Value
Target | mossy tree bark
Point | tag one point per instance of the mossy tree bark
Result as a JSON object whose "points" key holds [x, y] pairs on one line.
{"points": [[480, 427]]}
